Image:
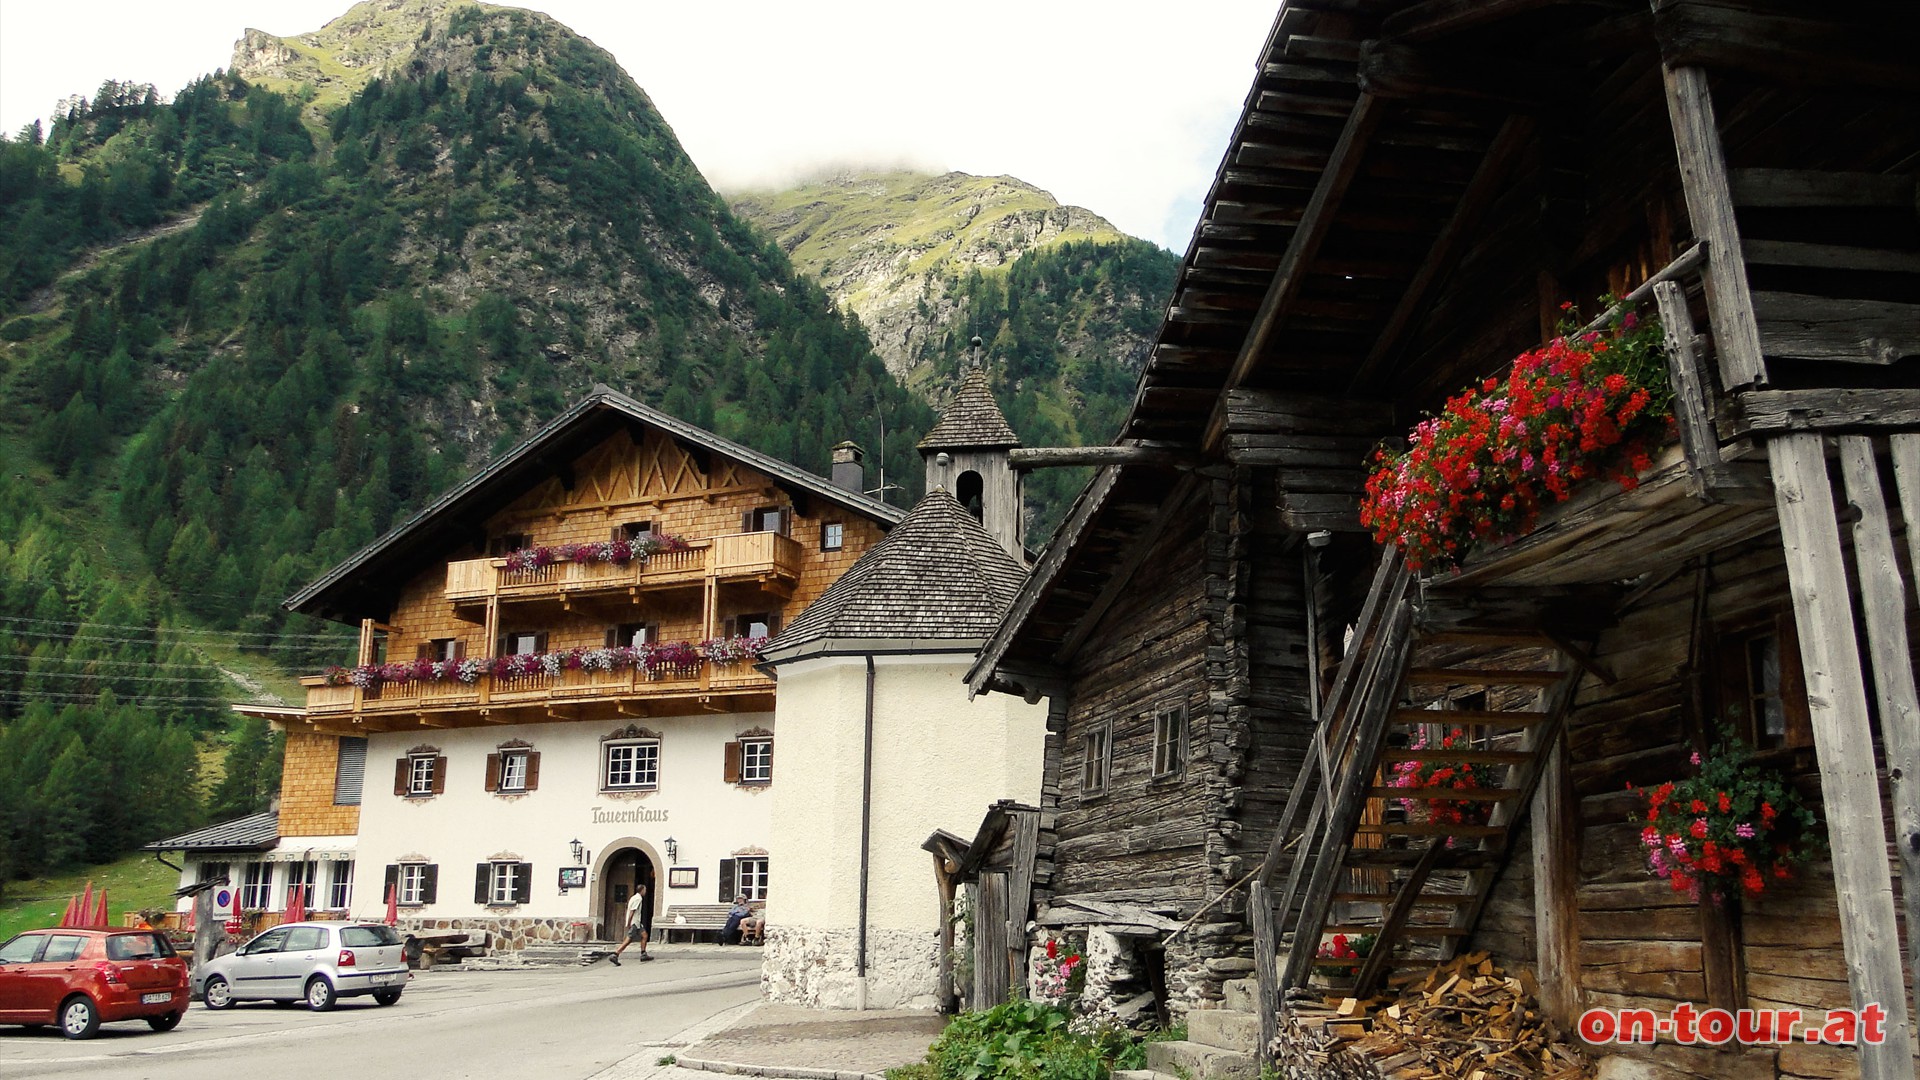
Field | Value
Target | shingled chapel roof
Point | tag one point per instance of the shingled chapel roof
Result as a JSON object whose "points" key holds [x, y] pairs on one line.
{"points": [[938, 575], [972, 419]]}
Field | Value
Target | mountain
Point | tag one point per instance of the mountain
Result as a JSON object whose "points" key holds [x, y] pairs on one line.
{"points": [[1066, 303], [245, 330]]}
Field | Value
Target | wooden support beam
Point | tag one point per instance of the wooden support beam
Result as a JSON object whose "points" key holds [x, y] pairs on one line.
{"points": [[1703, 177], [1555, 822], [1481, 190], [1827, 409], [1844, 331], [1906, 477], [1697, 437], [1342, 165], [1857, 45], [1843, 743], [1054, 457], [1439, 18], [1395, 69], [1395, 923], [1883, 602]]}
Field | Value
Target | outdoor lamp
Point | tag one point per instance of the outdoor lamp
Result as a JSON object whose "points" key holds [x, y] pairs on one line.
{"points": [[673, 850], [579, 852]]}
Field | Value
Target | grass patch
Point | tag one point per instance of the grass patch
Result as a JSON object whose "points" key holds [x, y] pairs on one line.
{"points": [[133, 882]]}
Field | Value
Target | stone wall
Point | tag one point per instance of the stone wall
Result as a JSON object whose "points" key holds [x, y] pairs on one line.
{"points": [[814, 966], [505, 933]]}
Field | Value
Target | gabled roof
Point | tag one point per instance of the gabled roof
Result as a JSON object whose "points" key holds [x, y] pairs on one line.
{"points": [[364, 584], [255, 832], [939, 575], [972, 420]]}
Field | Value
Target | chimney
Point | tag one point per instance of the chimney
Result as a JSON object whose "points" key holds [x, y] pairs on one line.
{"points": [[848, 472]]}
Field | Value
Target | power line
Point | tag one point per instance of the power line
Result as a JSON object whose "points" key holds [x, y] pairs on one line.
{"points": [[27, 698], [203, 665], [254, 647], [81, 676], [81, 626]]}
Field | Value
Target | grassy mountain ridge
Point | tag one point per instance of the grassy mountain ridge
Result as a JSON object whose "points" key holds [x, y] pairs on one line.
{"points": [[336, 311]]}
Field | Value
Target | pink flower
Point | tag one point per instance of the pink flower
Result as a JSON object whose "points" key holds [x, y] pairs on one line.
{"points": [[1695, 758], [1744, 831]]}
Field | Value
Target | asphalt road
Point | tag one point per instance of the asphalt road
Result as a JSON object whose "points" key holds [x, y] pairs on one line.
{"points": [[554, 1022]]}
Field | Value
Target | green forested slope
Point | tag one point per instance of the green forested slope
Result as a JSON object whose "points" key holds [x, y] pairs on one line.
{"points": [[354, 305]]}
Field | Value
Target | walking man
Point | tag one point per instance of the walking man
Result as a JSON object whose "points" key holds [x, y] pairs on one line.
{"points": [[639, 925]]}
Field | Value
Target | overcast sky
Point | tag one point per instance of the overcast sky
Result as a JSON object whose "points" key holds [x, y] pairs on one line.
{"points": [[1119, 106]]}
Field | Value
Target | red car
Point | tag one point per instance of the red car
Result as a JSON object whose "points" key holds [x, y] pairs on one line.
{"points": [[81, 978]]}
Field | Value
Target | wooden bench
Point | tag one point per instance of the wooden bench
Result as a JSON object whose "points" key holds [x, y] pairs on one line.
{"points": [[691, 919]]}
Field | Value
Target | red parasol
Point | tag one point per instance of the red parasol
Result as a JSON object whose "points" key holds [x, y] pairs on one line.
{"points": [[101, 916], [296, 904], [84, 916], [393, 905], [71, 916]]}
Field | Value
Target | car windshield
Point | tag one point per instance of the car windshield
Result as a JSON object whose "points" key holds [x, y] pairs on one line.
{"points": [[21, 950], [365, 937], [146, 946]]}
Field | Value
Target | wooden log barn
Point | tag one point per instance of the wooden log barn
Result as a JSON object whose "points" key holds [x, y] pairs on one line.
{"points": [[1234, 665]]}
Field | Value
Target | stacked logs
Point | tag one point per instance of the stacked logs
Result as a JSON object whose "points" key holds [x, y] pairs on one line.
{"points": [[1464, 1020]]}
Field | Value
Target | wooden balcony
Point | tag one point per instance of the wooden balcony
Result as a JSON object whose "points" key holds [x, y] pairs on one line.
{"points": [[769, 559], [568, 695]]}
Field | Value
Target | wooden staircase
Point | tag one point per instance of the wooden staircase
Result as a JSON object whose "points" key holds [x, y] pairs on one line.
{"points": [[1376, 838]]}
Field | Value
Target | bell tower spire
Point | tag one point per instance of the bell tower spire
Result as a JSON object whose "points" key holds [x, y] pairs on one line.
{"points": [[966, 453]]}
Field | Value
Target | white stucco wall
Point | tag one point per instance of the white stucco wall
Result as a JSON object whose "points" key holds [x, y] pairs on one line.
{"points": [[939, 760], [710, 819]]}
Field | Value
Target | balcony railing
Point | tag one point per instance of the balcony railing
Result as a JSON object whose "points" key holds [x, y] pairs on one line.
{"points": [[741, 555], [700, 677]]}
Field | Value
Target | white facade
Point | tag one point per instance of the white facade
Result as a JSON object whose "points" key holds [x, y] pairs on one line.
{"points": [[464, 826], [262, 880], [939, 760]]}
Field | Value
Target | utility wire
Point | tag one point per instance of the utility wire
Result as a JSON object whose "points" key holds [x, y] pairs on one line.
{"points": [[80, 626]]}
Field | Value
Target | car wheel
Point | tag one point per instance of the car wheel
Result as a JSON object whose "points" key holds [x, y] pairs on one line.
{"points": [[78, 1018], [386, 997], [164, 1022], [217, 994], [319, 994]]}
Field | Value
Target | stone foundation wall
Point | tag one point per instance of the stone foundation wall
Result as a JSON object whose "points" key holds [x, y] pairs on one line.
{"points": [[503, 934], [1198, 965], [814, 966]]}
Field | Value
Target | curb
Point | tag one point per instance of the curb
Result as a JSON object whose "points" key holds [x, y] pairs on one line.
{"points": [[792, 1072]]}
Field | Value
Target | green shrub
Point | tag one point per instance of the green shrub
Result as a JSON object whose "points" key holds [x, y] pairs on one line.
{"points": [[1026, 1040]]}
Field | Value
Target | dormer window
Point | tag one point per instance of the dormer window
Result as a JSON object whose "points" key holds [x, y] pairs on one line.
{"points": [[773, 519], [633, 530], [758, 624]]}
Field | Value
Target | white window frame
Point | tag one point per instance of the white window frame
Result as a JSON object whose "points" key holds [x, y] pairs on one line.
{"points": [[833, 536], [1096, 759], [340, 886], [419, 775], [503, 886], [1169, 741], [513, 770], [642, 769], [256, 889], [750, 877], [413, 883], [302, 874], [756, 761]]}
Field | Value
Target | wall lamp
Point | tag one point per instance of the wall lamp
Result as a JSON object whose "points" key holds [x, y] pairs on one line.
{"points": [[673, 850], [579, 852]]}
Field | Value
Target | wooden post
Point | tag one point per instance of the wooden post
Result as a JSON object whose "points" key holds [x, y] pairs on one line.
{"points": [[1843, 742], [943, 871], [1556, 879], [1703, 176], [1906, 477], [1883, 600], [1697, 436], [366, 642]]}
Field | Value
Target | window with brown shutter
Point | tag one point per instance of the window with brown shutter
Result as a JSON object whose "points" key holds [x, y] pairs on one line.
{"points": [[1762, 690], [423, 651], [523, 884], [482, 883], [726, 881], [730, 766], [493, 772], [430, 883], [533, 769], [439, 776], [402, 775]]}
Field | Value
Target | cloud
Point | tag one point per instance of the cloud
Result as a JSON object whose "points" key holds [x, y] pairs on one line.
{"points": [[1123, 108]]}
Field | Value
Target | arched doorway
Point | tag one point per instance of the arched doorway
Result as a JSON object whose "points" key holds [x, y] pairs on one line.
{"points": [[625, 869]]}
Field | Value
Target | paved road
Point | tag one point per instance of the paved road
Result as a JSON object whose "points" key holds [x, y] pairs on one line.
{"points": [[563, 1023]]}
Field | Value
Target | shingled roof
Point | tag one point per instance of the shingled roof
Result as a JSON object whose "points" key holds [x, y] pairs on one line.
{"points": [[938, 575], [972, 419], [255, 832]]}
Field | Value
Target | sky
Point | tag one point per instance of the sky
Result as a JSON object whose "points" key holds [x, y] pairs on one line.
{"points": [[1120, 106]]}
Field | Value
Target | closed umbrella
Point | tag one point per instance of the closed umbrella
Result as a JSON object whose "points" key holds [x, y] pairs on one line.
{"points": [[84, 916], [296, 904], [393, 906], [71, 916], [101, 917]]}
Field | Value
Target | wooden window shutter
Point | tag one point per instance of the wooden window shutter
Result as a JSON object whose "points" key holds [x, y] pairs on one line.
{"points": [[440, 776], [619, 533], [523, 884], [730, 770], [773, 623], [393, 882], [540, 642], [430, 883], [746, 522], [493, 772], [726, 881], [423, 651], [613, 636], [533, 769], [400, 770], [460, 649], [482, 883]]}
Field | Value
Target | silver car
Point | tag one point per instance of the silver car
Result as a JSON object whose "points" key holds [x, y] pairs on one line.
{"points": [[318, 962]]}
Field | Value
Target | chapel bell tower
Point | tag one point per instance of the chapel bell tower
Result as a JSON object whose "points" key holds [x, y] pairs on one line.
{"points": [[966, 454]]}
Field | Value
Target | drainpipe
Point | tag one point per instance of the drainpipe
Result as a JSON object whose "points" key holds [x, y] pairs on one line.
{"points": [[866, 831]]}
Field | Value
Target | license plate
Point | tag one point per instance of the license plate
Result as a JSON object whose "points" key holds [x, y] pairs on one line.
{"points": [[155, 999]]}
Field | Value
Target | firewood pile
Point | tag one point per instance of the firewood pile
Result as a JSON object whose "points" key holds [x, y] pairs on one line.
{"points": [[1464, 1020]]}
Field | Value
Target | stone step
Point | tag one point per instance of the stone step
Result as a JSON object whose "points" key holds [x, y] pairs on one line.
{"points": [[1243, 995], [1225, 1029], [1190, 1059], [1139, 1074]]}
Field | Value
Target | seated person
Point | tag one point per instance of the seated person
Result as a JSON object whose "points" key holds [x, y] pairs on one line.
{"points": [[737, 916], [753, 928]]}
